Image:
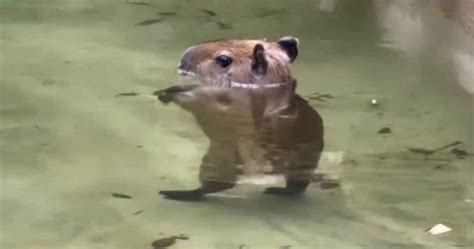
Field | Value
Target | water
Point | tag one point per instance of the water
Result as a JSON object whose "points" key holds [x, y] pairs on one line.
{"points": [[67, 141]]}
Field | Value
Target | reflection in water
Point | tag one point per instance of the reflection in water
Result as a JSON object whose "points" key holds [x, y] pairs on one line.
{"points": [[441, 28]]}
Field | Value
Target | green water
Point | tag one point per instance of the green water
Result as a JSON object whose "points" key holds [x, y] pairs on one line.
{"points": [[67, 142]]}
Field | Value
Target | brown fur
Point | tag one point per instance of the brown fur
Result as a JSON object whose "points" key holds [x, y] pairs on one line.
{"points": [[275, 119], [241, 50]]}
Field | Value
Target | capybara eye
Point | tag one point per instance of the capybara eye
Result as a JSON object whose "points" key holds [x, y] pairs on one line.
{"points": [[223, 61]]}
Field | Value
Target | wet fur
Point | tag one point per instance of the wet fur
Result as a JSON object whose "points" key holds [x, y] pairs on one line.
{"points": [[284, 125]]}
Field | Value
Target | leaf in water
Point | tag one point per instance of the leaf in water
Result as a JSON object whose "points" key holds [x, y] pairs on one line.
{"points": [[327, 96], [123, 196], [420, 151], [209, 12], [138, 212], [149, 22], [385, 130], [127, 94], [223, 25], [429, 152], [459, 152], [162, 243], [320, 97]]}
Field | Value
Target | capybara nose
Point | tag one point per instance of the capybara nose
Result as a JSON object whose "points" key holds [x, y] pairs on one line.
{"points": [[184, 67], [186, 62]]}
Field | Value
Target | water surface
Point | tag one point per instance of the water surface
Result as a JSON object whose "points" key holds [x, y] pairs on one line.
{"points": [[67, 142]]}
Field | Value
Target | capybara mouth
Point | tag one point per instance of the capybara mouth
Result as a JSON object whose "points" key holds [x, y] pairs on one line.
{"points": [[226, 83], [185, 73]]}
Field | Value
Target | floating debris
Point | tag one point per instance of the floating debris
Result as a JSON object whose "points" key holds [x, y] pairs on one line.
{"points": [[123, 196], [139, 3], [138, 212], [320, 97], [149, 22], [374, 102], [127, 94], [438, 229], [328, 96], [385, 130], [424, 152], [166, 13], [139, 146], [209, 12], [163, 243], [223, 25], [460, 153], [427, 152], [37, 127], [167, 242]]}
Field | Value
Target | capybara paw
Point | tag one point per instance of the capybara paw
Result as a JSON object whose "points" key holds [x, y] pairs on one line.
{"points": [[182, 195], [163, 96]]}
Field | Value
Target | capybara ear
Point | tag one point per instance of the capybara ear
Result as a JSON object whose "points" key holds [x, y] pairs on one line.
{"points": [[290, 45], [259, 62]]}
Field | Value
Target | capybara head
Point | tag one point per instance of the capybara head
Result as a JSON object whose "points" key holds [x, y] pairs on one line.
{"points": [[241, 61]]}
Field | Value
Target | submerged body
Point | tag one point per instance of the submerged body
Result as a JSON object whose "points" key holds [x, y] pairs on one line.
{"points": [[245, 103]]}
